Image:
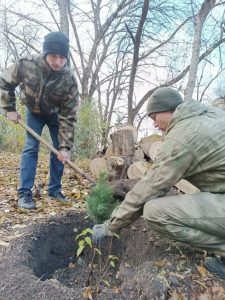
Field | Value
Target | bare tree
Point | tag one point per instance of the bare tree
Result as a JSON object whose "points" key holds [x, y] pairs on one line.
{"points": [[199, 20], [103, 33], [63, 12], [122, 50], [137, 41]]}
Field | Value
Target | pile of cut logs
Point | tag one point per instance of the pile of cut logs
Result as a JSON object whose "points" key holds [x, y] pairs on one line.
{"points": [[125, 159]]}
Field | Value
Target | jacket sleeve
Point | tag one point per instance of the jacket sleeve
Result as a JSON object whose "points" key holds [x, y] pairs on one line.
{"points": [[9, 80], [68, 119], [172, 162]]}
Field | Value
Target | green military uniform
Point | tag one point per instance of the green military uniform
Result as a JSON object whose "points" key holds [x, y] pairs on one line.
{"points": [[194, 149], [43, 92]]}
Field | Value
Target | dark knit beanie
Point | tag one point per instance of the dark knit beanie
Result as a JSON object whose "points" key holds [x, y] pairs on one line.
{"points": [[163, 99], [56, 43]]}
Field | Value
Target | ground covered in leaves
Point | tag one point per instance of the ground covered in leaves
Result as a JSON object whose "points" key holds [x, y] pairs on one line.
{"points": [[74, 187], [149, 266]]}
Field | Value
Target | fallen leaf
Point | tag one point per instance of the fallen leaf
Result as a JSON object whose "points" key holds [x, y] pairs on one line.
{"points": [[117, 290], [87, 293], [160, 263], [72, 265], [134, 228], [2, 219], [201, 284], [202, 271], [176, 296], [127, 265], [177, 275], [3, 243]]}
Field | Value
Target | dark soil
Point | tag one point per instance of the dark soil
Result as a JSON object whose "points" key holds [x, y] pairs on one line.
{"points": [[41, 263]]}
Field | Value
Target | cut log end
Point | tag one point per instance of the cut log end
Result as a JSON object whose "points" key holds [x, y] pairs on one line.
{"points": [[98, 165]]}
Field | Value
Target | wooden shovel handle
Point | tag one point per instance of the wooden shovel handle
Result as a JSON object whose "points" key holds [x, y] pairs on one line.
{"points": [[53, 150]]}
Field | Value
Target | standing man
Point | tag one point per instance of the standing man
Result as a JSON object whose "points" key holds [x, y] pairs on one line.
{"points": [[194, 149], [49, 91]]}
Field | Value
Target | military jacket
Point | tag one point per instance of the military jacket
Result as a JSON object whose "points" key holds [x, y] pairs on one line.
{"points": [[193, 148], [43, 91]]}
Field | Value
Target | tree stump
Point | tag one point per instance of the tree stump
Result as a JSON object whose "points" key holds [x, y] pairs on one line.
{"points": [[123, 141], [123, 146]]}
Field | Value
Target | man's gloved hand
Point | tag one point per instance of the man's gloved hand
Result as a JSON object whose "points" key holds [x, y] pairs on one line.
{"points": [[100, 231]]}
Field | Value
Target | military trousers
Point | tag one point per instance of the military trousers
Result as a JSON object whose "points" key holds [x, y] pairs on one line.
{"points": [[197, 219]]}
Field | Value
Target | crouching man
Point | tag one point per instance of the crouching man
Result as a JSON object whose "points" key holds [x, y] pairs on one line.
{"points": [[193, 149]]}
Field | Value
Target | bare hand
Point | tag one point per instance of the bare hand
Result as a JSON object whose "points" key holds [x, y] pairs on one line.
{"points": [[63, 156], [13, 116]]}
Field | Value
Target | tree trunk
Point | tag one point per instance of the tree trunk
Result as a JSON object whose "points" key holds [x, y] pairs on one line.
{"points": [[137, 42], [199, 22], [64, 22]]}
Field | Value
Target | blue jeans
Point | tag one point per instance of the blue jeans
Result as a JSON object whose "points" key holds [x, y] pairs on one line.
{"points": [[29, 157]]}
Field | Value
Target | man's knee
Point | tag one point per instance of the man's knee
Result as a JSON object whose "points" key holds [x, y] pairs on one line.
{"points": [[31, 145], [152, 211]]}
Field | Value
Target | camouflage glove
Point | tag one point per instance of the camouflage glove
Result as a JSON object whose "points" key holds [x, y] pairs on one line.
{"points": [[100, 231]]}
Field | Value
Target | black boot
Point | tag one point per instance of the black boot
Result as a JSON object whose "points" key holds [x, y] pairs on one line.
{"points": [[215, 265], [59, 196], [26, 201]]}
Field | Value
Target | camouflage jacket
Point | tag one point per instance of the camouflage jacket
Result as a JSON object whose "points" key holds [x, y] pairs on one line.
{"points": [[43, 91], [193, 148]]}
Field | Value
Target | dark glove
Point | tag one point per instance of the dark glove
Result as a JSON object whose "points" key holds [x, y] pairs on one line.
{"points": [[100, 231]]}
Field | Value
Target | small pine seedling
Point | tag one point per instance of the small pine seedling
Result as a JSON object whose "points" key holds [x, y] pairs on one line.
{"points": [[100, 202]]}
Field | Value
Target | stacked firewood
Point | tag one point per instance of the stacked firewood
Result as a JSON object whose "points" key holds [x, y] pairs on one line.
{"points": [[125, 158], [127, 161]]}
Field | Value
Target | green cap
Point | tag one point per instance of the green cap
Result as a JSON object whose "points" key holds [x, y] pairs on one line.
{"points": [[163, 99]]}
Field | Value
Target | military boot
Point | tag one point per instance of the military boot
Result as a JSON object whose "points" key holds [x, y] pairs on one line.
{"points": [[26, 201], [215, 265]]}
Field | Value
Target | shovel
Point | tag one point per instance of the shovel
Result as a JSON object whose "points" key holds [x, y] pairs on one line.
{"points": [[56, 152]]}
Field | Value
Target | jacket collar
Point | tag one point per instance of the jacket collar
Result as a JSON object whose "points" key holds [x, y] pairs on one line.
{"points": [[188, 109]]}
